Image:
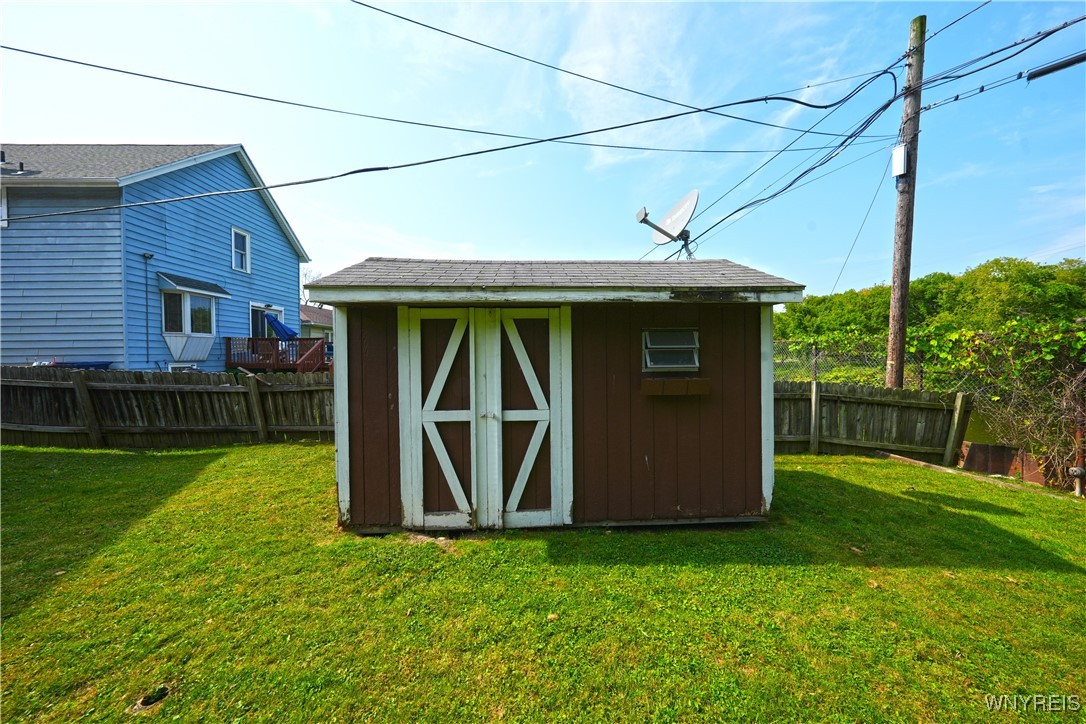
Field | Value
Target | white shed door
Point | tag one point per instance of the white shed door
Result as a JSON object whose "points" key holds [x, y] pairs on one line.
{"points": [[486, 423]]}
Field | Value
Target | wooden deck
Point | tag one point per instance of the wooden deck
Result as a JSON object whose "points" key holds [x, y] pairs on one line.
{"points": [[268, 354]]}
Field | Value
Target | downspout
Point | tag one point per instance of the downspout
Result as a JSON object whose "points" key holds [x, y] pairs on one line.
{"points": [[123, 244], [147, 257]]}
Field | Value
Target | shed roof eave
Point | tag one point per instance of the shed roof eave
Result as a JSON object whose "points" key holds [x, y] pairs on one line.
{"points": [[548, 295]]}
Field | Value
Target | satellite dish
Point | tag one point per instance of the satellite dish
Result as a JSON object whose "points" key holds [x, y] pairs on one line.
{"points": [[673, 226]]}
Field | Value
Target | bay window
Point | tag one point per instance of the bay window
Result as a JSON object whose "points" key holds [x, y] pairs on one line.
{"points": [[187, 313]]}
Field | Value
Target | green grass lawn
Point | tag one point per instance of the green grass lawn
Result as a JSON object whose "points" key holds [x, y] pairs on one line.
{"points": [[877, 591]]}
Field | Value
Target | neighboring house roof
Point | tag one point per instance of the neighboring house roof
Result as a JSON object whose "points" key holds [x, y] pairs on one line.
{"points": [[382, 279], [64, 164], [84, 161], [316, 316]]}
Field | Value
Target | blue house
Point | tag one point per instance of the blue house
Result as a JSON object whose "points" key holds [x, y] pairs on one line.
{"points": [[157, 287]]}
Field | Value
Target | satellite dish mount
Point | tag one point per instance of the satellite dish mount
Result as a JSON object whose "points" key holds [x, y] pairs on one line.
{"points": [[673, 226]]}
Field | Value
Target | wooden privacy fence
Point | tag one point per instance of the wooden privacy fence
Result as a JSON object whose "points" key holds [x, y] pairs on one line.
{"points": [[74, 408], [848, 419], [71, 408]]}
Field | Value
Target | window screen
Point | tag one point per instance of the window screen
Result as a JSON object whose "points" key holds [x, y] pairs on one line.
{"points": [[670, 350]]}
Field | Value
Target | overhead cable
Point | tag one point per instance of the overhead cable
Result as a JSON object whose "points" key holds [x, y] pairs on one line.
{"points": [[946, 76], [863, 223], [837, 149], [442, 159], [597, 80], [387, 119]]}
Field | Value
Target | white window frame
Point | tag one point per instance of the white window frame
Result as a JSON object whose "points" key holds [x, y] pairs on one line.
{"points": [[186, 313], [648, 346], [247, 267], [263, 307], [4, 207]]}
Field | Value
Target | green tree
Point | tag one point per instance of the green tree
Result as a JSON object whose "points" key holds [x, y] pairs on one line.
{"points": [[981, 298], [1004, 289]]}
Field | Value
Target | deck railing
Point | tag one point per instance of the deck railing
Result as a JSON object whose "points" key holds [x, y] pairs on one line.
{"points": [[304, 354]]}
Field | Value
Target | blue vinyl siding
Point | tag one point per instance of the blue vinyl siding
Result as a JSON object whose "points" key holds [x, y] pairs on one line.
{"points": [[194, 239], [61, 278]]}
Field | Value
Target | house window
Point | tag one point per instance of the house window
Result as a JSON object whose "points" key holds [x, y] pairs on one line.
{"points": [[670, 350], [241, 250], [3, 208], [185, 313], [258, 323]]}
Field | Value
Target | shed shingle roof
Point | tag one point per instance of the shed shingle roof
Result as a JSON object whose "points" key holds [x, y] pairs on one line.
{"points": [[56, 161], [716, 274]]}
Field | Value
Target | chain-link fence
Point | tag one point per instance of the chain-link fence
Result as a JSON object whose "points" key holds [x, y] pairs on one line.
{"points": [[860, 363]]}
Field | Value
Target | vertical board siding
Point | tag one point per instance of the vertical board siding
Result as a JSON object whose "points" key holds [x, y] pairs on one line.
{"points": [[194, 239], [60, 285], [618, 461], [373, 412], [640, 457]]}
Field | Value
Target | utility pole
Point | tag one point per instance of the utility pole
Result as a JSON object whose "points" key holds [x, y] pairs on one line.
{"points": [[906, 197]]}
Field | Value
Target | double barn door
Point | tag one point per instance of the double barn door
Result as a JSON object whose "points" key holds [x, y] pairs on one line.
{"points": [[486, 440]]}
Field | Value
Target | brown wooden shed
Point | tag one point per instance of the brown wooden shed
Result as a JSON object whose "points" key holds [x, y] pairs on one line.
{"points": [[507, 394]]}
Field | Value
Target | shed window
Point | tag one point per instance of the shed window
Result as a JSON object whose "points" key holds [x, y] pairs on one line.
{"points": [[241, 250], [670, 350]]}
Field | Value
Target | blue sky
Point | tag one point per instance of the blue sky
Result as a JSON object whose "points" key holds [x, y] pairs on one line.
{"points": [[1002, 173]]}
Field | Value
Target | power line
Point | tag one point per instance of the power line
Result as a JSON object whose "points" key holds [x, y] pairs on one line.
{"points": [[947, 77], [954, 73], [590, 78], [797, 187], [1006, 80], [863, 126], [441, 159], [951, 23], [965, 95], [862, 224], [388, 119]]}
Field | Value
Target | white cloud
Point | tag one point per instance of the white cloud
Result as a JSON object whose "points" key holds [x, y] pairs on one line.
{"points": [[1071, 244], [642, 50], [966, 171], [336, 241]]}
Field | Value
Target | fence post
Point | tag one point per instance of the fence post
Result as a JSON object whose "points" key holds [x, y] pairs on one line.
{"points": [[955, 428], [814, 417], [257, 408], [814, 362], [86, 406]]}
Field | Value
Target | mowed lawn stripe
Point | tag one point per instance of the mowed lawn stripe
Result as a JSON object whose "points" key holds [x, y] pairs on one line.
{"points": [[876, 590]]}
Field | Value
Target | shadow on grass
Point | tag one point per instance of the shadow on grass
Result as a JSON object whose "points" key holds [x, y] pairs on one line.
{"points": [[823, 520], [952, 502], [61, 507]]}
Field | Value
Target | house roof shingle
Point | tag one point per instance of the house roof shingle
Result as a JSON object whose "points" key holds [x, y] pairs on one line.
{"points": [[316, 315], [716, 274], [57, 161]]}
